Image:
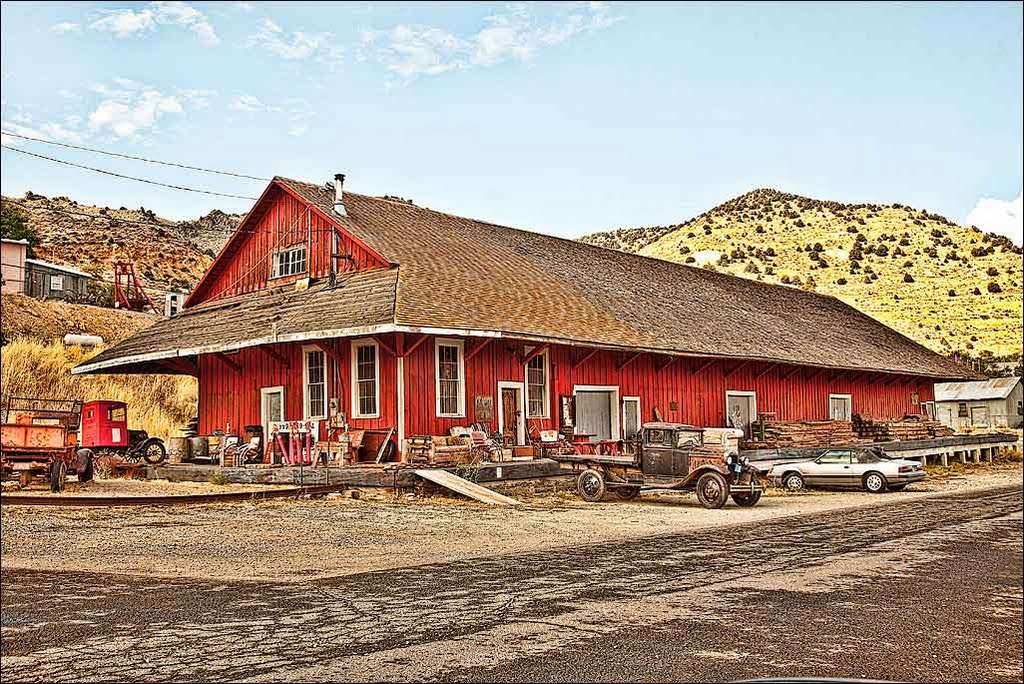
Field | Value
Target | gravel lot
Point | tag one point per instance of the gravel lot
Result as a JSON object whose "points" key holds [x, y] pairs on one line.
{"points": [[300, 540]]}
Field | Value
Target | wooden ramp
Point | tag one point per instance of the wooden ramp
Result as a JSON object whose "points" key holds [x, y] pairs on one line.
{"points": [[465, 487]]}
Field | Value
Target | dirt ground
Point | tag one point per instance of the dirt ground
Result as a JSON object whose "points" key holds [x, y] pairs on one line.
{"points": [[130, 487], [298, 540]]}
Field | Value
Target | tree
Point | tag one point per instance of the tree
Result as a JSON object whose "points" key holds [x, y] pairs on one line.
{"points": [[14, 226]]}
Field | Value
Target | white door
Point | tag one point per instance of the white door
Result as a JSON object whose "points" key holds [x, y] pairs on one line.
{"points": [[272, 408], [979, 415], [740, 410], [594, 414], [630, 417], [839, 407]]}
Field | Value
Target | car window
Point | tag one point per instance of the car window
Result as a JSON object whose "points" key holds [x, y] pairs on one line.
{"points": [[834, 456], [658, 437]]}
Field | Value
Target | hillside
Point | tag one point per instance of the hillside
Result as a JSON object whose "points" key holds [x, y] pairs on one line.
{"points": [[950, 287], [168, 255], [46, 321]]}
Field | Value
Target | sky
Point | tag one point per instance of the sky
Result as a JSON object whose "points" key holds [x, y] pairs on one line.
{"points": [[565, 118]]}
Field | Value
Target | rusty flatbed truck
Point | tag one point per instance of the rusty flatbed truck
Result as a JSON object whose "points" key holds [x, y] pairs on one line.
{"points": [[672, 457], [40, 437]]}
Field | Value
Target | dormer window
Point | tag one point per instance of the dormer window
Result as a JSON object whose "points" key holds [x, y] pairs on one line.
{"points": [[289, 261]]}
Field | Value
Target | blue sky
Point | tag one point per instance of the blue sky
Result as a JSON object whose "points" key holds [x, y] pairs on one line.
{"points": [[563, 117]]}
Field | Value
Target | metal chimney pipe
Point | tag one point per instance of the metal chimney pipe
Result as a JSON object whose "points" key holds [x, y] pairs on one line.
{"points": [[339, 198]]}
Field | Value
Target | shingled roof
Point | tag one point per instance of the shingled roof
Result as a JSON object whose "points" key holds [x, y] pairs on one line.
{"points": [[460, 274]]}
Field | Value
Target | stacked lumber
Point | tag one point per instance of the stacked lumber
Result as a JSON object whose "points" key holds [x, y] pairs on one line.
{"points": [[804, 433], [418, 449], [909, 428]]}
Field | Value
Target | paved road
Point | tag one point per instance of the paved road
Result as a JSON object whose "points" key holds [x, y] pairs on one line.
{"points": [[928, 589]]}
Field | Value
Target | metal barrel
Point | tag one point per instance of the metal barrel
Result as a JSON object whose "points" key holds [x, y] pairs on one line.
{"points": [[178, 451], [198, 448]]}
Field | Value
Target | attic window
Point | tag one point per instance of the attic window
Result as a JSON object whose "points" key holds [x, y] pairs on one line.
{"points": [[290, 261]]}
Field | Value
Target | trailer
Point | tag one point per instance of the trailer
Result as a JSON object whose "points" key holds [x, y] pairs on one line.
{"points": [[39, 437], [671, 457]]}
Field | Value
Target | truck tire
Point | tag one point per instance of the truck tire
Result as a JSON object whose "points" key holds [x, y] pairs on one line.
{"points": [[590, 485], [748, 499], [154, 453], [87, 470], [58, 470], [627, 493], [712, 490]]}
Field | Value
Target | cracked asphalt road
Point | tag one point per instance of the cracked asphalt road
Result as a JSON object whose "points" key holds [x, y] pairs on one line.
{"points": [[928, 589]]}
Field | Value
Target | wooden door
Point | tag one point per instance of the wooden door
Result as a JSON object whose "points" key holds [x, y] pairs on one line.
{"points": [[510, 415], [594, 414]]}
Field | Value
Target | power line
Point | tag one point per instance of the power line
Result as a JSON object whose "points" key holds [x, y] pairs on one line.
{"points": [[134, 158], [121, 175]]}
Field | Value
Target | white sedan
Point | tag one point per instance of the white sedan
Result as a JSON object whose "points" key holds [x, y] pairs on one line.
{"points": [[864, 468]]}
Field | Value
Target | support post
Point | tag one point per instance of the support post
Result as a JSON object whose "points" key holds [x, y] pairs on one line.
{"points": [[976, 455], [945, 459]]}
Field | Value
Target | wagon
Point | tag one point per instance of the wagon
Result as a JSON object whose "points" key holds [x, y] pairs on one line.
{"points": [[105, 433], [40, 437], [671, 457]]}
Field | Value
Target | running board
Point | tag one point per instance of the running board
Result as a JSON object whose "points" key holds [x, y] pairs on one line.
{"points": [[465, 487]]}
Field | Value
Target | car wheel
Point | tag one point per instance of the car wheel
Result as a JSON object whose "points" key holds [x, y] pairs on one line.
{"points": [[748, 499], [155, 453], [875, 483], [590, 485], [712, 490], [794, 482]]}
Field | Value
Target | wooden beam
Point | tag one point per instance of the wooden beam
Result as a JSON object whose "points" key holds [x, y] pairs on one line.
{"points": [[229, 362], [668, 362], [535, 352], [409, 349], [384, 343], [329, 349], [478, 347], [893, 380], [766, 371], [583, 359], [704, 366], [816, 374], [791, 373], [628, 360], [180, 365], [277, 356], [736, 368]]}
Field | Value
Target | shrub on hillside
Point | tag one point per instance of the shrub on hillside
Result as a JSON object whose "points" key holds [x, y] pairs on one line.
{"points": [[993, 287]]}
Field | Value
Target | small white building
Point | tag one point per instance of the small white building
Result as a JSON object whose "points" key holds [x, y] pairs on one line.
{"points": [[980, 403]]}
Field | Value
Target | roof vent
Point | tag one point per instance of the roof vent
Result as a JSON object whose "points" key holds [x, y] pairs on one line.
{"points": [[339, 199]]}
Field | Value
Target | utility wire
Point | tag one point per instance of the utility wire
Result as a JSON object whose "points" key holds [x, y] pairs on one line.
{"points": [[134, 158], [121, 175]]}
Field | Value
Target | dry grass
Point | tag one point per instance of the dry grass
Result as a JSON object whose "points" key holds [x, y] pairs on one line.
{"points": [[158, 404]]}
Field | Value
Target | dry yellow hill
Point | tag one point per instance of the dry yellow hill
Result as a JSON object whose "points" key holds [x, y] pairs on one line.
{"points": [[950, 287]]}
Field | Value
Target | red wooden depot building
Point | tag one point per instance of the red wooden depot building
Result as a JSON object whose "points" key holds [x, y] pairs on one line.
{"points": [[327, 301]]}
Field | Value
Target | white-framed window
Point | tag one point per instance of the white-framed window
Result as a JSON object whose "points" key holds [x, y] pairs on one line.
{"points": [[449, 378], [289, 261], [365, 379], [840, 407], [537, 390], [56, 283], [314, 375], [630, 417]]}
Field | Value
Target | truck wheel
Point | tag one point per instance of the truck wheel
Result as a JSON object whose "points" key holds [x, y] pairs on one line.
{"points": [[626, 493], [590, 485], [712, 490], [748, 499], [58, 469], [875, 482], [88, 470], [155, 453]]}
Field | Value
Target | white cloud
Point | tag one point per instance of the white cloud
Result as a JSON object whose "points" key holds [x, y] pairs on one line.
{"points": [[244, 6], [515, 35], [66, 27], [296, 45], [298, 130], [248, 103], [134, 108], [125, 23], [999, 216], [47, 131], [198, 97]]}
